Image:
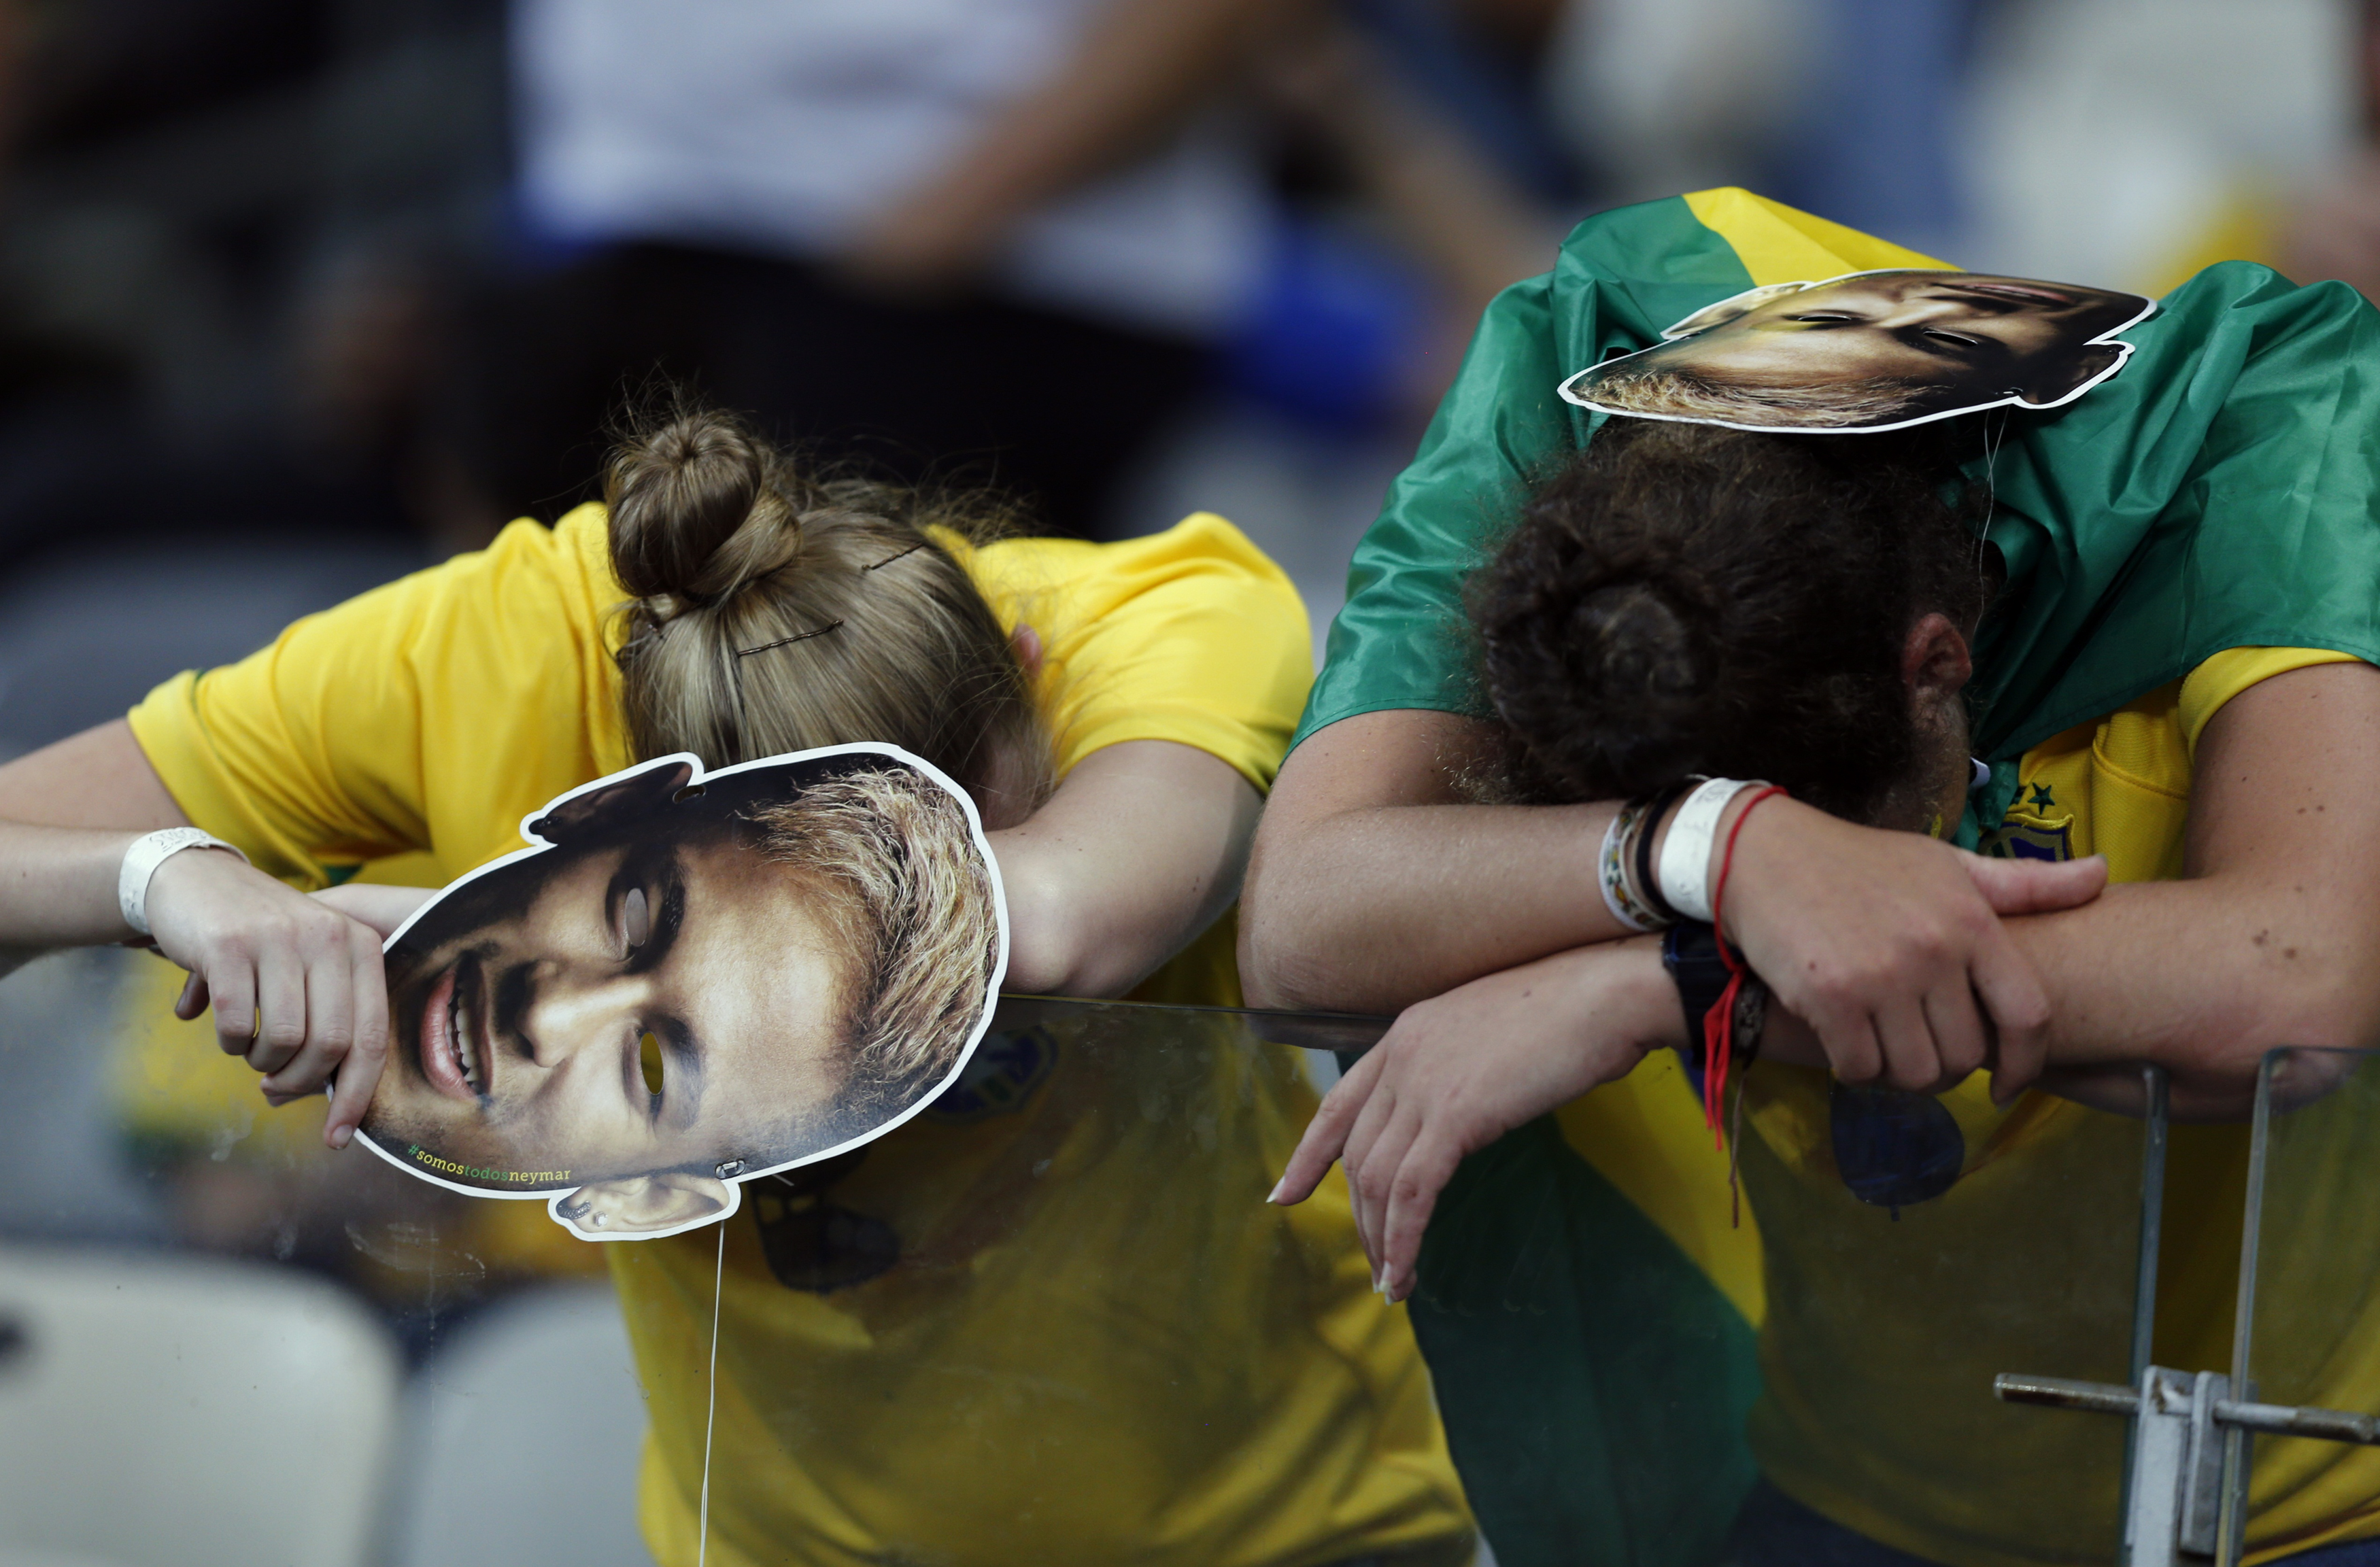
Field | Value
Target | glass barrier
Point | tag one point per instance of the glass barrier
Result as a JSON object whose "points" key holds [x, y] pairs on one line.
{"points": [[1055, 1319], [2265, 1247], [2308, 1329]]}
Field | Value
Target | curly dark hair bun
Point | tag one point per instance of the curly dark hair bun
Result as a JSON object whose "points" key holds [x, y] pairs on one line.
{"points": [[1688, 599], [1630, 640]]}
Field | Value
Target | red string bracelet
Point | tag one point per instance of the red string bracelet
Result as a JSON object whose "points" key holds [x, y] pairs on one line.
{"points": [[1719, 1023]]}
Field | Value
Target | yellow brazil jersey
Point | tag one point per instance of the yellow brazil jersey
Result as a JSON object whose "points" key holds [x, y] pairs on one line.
{"points": [[1036, 1383], [1886, 1326]]}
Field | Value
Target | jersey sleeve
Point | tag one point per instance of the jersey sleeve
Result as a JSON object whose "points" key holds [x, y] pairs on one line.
{"points": [[2227, 674], [1192, 635], [317, 752]]}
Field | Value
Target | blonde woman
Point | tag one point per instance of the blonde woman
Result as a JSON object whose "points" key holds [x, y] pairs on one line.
{"points": [[1028, 1392]]}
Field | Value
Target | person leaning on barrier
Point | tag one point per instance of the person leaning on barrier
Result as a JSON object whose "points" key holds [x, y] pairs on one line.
{"points": [[1114, 711], [2176, 542], [1813, 631]]}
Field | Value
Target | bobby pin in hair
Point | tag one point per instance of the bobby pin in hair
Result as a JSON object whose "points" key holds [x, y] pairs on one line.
{"points": [[782, 642], [896, 555]]}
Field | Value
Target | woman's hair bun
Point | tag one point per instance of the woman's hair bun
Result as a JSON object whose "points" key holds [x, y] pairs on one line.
{"points": [[1682, 599], [1603, 650], [696, 508]]}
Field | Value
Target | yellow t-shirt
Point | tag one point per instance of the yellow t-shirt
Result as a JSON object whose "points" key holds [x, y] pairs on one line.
{"points": [[1883, 1329], [1100, 1344]]}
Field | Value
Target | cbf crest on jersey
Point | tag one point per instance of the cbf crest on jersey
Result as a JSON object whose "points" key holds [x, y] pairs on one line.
{"points": [[2035, 827]]}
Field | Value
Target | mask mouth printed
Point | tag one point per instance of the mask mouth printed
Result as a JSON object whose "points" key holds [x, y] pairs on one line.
{"points": [[1871, 351], [690, 980], [452, 1043]]}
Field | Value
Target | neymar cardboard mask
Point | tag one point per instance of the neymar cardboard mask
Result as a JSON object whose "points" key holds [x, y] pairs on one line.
{"points": [[1871, 351], [689, 979]]}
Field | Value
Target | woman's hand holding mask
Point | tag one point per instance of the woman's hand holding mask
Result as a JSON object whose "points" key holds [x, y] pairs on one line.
{"points": [[295, 985]]}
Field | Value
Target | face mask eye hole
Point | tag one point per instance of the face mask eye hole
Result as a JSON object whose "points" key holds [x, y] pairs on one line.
{"points": [[636, 918], [648, 1056]]}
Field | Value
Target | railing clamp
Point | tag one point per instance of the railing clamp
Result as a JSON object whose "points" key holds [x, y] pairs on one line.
{"points": [[2177, 1455]]}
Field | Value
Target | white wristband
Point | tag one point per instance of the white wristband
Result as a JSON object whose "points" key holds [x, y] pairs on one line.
{"points": [[1684, 870], [141, 860]]}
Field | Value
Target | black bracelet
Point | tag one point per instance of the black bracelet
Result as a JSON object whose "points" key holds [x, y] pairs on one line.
{"points": [[1648, 886], [1690, 952]]}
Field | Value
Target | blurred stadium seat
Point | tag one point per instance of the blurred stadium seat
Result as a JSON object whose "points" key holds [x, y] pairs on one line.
{"points": [[526, 1434], [174, 1413], [14, 1556], [84, 634]]}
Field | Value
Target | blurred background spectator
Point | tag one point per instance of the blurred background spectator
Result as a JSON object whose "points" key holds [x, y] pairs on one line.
{"points": [[225, 226], [992, 238], [298, 294]]}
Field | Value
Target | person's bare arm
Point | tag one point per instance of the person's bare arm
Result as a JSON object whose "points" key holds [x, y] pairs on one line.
{"points": [[2271, 939], [1140, 849], [296, 985], [99, 778], [2272, 935], [1372, 888], [96, 779], [1141, 69], [1374, 884]]}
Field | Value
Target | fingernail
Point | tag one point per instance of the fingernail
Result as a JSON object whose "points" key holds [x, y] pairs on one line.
{"points": [[1380, 1282], [340, 1138], [1278, 1187]]}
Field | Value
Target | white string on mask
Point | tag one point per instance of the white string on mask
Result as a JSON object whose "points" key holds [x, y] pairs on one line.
{"points": [[1994, 438], [702, 1515]]}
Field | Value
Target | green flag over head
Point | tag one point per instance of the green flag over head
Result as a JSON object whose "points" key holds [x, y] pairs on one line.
{"points": [[2215, 491]]}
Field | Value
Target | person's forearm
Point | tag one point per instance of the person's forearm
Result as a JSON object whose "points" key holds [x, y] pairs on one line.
{"points": [[98, 780], [1140, 850], [1373, 910], [57, 886], [2203, 977], [1373, 886], [2273, 938]]}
